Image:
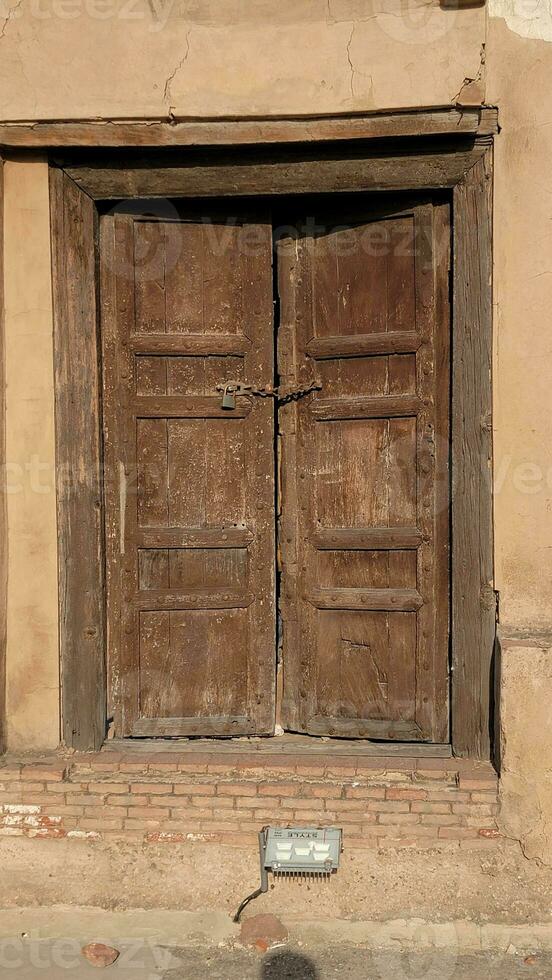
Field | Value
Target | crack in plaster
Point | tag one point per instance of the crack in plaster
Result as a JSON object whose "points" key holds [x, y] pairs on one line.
{"points": [[10, 16], [170, 78], [354, 71], [330, 19], [530, 835], [470, 80], [351, 66]]}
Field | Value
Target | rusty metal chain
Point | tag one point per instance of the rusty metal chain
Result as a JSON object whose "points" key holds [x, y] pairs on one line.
{"points": [[282, 393]]}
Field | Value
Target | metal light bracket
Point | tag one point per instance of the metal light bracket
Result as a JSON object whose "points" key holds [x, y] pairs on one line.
{"points": [[296, 853]]}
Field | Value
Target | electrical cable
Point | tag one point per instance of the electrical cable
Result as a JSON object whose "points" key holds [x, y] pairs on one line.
{"points": [[264, 876]]}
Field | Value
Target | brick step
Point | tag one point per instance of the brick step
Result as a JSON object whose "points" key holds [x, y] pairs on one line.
{"points": [[93, 798]]}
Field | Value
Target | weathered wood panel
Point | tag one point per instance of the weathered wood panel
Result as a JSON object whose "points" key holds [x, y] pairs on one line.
{"points": [[406, 731], [365, 574], [204, 132], [189, 516], [473, 597], [214, 175], [78, 460], [382, 407], [207, 537], [186, 407], [290, 750], [384, 600], [204, 599], [367, 538], [216, 725], [191, 345], [358, 345]]}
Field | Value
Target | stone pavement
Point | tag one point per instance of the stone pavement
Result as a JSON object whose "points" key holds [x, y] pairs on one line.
{"points": [[353, 964], [24, 959]]}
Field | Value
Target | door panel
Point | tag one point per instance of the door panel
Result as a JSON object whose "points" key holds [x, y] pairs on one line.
{"points": [[186, 306], [364, 515]]}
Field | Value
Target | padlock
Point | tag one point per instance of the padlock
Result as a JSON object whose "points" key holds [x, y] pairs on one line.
{"points": [[228, 397]]}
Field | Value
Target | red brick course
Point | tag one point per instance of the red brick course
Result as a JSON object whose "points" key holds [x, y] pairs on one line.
{"points": [[200, 797]]}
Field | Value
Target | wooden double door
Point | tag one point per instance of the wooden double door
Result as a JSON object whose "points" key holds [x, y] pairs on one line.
{"points": [[284, 559]]}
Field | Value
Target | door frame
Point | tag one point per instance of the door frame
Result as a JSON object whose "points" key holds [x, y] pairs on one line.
{"points": [[424, 154]]}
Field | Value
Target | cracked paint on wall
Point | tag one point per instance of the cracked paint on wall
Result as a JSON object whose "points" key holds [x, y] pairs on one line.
{"points": [[176, 69], [211, 59], [527, 18], [472, 91]]}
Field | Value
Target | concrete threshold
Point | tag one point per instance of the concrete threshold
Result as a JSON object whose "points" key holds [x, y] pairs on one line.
{"points": [[169, 928]]}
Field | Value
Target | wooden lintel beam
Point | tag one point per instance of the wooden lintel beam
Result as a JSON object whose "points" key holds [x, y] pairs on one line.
{"points": [[141, 133], [293, 170]]}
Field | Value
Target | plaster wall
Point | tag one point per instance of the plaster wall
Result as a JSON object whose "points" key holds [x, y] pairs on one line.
{"points": [[32, 674], [520, 82], [126, 58], [72, 59], [526, 736]]}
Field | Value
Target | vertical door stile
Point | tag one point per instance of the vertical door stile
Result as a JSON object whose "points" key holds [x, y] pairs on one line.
{"points": [[443, 449], [109, 338], [294, 275], [425, 468], [260, 490], [128, 479], [287, 272], [308, 464]]}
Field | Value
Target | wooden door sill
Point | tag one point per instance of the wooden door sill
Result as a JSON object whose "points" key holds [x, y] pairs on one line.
{"points": [[288, 744]]}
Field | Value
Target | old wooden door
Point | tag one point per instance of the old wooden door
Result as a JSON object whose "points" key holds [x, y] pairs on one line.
{"points": [[362, 507], [186, 306], [364, 522]]}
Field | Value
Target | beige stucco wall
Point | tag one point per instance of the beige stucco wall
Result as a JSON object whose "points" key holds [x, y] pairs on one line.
{"points": [[82, 58], [519, 65], [520, 82], [32, 682], [526, 735], [116, 58], [224, 57]]}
